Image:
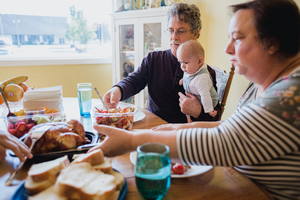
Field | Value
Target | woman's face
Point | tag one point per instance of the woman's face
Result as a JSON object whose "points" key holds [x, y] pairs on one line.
{"points": [[181, 33], [246, 52]]}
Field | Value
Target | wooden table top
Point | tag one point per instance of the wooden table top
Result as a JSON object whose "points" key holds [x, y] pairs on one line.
{"points": [[217, 183]]}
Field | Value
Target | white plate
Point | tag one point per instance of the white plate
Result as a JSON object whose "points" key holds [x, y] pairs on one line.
{"points": [[193, 171], [138, 116]]}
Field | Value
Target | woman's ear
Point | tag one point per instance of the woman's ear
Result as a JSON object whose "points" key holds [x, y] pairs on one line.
{"points": [[273, 47]]}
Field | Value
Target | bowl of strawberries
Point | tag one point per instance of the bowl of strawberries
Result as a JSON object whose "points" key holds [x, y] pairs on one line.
{"points": [[24, 120]]}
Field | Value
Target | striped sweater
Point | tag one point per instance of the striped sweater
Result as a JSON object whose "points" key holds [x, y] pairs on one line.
{"points": [[261, 139]]}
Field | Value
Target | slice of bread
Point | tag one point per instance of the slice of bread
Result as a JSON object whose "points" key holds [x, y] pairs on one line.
{"points": [[119, 179], [82, 181], [105, 167], [36, 187], [48, 194], [48, 170], [94, 157]]}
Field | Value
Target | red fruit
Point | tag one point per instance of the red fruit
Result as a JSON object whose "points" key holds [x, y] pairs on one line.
{"points": [[29, 126], [19, 134], [124, 122], [98, 118], [10, 125], [18, 122], [12, 131], [178, 169], [22, 126]]}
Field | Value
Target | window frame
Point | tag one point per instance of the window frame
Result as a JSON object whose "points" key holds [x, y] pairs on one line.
{"points": [[35, 61], [53, 61]]}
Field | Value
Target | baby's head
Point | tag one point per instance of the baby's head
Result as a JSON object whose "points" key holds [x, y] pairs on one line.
{"points": [[190, 54]]}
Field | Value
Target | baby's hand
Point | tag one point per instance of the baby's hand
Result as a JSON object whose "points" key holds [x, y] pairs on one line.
{"points": [[180, 82], [213, 113]]}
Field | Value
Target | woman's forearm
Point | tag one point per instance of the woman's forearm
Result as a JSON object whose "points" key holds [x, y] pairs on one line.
{"points": [[203, 124], [164, 137]]}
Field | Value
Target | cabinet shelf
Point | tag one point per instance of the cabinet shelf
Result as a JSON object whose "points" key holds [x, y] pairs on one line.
{"points": [[128, 51]]}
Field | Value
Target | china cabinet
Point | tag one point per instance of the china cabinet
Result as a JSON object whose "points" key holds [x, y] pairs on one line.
{"points": [[135, 34]]}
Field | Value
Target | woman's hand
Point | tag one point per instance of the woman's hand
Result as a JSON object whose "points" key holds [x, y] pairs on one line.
{"points": [[2, 153], [112, 97], [8, 141], [116, 142], [189, 104]]}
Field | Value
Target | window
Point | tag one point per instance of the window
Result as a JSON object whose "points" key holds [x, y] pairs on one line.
{"points": [[56, 32]]}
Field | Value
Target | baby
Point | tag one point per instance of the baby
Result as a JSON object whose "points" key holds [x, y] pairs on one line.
{"points": [[196, 78]]}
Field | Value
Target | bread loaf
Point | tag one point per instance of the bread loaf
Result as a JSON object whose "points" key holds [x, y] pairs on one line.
{"points": [[48, 194], [105, 167], [48, 170], [89, 176], [81, 181], [36, 187], [94, 157], [119, 179]]}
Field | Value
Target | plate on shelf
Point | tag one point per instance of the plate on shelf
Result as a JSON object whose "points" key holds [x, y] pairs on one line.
{"points": [[138, 116], [193, 171], [22, 194], [37, 158]]}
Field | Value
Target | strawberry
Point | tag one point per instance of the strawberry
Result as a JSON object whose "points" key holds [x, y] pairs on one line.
{"points": [[22, 126], [29, 126], [18, 122], [10, 125], [12, 131], [19, 134]]}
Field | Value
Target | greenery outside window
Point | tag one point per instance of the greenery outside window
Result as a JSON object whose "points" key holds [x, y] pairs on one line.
{"points": [[35, 32]]}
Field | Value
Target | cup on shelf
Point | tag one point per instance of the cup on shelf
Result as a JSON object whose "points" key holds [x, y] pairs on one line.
{"points": [[153, 170], [84, 92]]}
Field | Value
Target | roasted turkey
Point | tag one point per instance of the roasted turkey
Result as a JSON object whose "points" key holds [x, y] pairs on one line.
{"points": [[61, 136]]}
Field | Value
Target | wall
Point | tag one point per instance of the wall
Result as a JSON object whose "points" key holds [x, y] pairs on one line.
{"points": [[215, 18], [66, 75]]}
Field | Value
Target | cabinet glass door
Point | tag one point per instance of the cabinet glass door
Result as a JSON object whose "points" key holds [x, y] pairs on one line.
{"points": [[152, 37], [127, 56], [152, 42]]}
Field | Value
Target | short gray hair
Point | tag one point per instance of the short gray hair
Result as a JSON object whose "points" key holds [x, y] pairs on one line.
{"points": [[189, 13]]}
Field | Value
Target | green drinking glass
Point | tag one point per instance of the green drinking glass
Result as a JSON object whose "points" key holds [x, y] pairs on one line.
{"points": [[153, 170]]}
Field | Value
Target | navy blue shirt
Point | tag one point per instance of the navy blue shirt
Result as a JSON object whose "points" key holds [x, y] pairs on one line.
{"points": [[161, 71]]}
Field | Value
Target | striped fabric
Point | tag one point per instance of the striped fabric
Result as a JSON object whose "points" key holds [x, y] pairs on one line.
{"points": [[258, 144]]}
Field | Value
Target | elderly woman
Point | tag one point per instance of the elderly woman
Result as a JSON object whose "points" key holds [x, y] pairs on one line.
{"points": [[161, 72], [262, 138]]}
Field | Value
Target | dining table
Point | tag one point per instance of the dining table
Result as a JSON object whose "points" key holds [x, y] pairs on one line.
{"points": [[215, 184]]}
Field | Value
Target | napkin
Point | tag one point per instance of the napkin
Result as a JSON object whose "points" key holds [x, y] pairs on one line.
{"points": [[50, 97]]}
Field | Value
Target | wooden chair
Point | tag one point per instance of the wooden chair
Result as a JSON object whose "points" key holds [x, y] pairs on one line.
{"points": [[223, 84]]}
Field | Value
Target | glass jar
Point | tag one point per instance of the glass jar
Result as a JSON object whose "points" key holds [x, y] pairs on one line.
{"points": [[142, 4]]}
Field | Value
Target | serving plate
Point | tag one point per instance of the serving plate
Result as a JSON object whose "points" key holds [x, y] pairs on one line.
{"points": [[138, 116], [193, 171], [22, 194], [37, 158]]}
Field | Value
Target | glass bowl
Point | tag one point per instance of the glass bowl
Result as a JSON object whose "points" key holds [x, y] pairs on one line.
{"points": [[21, 124], [121, 117]]}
